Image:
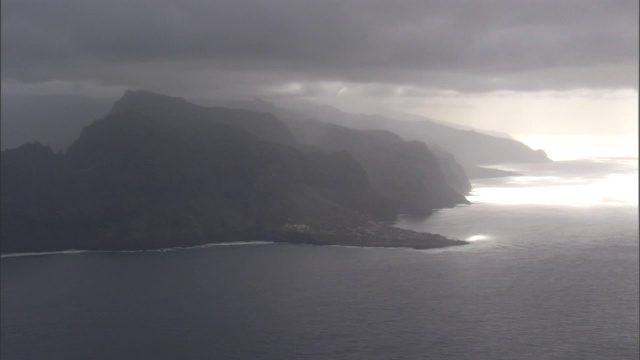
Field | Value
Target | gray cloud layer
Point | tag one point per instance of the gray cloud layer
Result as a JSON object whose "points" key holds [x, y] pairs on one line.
{"points": [[242, 46]]}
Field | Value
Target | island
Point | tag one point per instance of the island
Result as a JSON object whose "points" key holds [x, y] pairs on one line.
{"points": [[159, 172]]}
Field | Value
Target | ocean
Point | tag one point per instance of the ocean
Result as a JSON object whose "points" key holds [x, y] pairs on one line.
{"points": [[551, 272]]}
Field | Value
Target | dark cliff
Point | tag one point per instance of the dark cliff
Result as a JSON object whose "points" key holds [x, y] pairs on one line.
{"points": [[160, 172], [406, 173], [453, 172]]}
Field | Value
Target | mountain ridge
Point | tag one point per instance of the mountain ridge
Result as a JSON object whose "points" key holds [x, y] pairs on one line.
{"points": [[161, 172]]}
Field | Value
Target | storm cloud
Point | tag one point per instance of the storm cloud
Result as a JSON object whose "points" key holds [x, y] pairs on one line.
{"points": [[288, 46]]}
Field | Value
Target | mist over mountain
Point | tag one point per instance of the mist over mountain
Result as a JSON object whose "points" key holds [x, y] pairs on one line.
{"points": [[157, 171], [411, 117], [56, 121], [302, 106], [53, 120], [468, 146], [331, 136], [175, 111], [459, 150], [406, 173]]}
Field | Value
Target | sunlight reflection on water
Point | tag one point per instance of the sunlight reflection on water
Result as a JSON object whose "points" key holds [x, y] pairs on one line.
{"points": [[477, 237], [608, 181]]}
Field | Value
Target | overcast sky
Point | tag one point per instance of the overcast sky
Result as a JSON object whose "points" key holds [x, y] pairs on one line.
{"points": [[530, 67]]}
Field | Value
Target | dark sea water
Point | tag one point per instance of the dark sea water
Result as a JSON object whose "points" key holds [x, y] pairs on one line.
{"points": [[551, 273]]}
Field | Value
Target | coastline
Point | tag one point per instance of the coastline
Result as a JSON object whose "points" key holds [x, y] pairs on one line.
{"points": [[374, 236], [369, 236], [177, 248]]}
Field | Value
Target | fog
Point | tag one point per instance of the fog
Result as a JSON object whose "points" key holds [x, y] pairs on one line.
{"points": [[534, 69]]}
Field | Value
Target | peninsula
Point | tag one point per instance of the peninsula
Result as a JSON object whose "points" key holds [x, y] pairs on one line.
{"points": [[368, 236]]}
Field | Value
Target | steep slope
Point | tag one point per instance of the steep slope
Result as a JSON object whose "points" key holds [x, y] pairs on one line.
{"points": [[180, 176], [406, 173], [468, 146], [453, 173]]}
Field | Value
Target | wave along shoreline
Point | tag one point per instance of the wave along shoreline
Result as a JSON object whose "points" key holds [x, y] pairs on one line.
{"points": [[177, 248]]}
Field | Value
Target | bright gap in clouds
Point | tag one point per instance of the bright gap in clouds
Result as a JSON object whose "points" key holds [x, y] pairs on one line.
{"points": [[611, 113]]}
